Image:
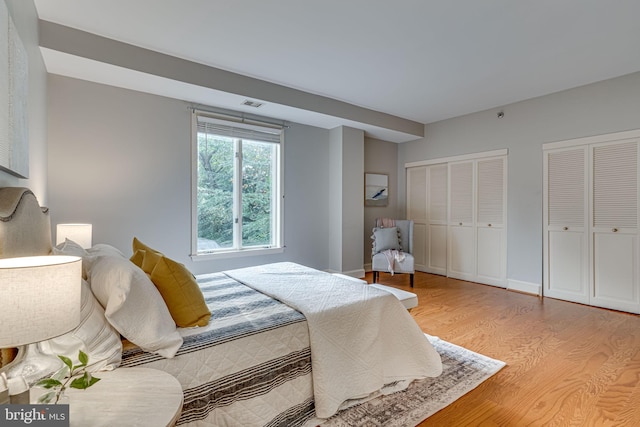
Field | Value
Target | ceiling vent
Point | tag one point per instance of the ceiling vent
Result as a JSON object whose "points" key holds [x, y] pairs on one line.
{"points": [[254, 104]]}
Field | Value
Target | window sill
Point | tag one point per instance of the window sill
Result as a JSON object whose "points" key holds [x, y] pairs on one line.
{"points": [[236, 253]]}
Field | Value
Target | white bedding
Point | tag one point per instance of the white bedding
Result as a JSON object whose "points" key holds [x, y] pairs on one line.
{"points": [[361, 338]]}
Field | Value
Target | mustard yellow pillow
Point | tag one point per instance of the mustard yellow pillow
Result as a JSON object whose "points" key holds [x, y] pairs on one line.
{"points": [[137, 257], [150, 260], [150, 256], [138, 245], [181, 293]]}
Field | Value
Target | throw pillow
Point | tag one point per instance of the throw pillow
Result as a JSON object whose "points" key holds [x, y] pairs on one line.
{"points": [[71, 248], [181, 293], [385, 238], [133, 305], [150, 260], [138, 257], [94, 335], [138, 245]]}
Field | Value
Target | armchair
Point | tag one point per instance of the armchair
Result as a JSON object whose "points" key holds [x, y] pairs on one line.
{"points": [[392, 250]]}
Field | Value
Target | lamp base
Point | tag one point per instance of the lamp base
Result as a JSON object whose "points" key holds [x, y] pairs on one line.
{"points": [[32, 365]]}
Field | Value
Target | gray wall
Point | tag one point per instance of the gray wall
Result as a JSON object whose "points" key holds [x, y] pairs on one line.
{"points": [[25, 17], [604, 107], [352, 203], [380, 157], [121, 160], [346, 171], [334, 191]]}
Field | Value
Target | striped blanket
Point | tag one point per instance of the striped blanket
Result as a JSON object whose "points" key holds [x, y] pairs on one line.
{"points": [[250, 366]]}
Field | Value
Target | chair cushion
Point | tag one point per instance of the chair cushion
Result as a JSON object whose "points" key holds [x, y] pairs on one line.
{"points": [[379, 262]]}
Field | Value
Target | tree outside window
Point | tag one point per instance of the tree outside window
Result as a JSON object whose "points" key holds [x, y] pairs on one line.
{"points": [[237, 189]]}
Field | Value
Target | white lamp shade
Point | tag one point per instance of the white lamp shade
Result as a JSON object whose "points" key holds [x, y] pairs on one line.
{"points": [[79, 233], [40, 298]]}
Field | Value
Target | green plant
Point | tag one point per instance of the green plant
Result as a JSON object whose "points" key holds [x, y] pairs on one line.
{"points": [[68, 376]]}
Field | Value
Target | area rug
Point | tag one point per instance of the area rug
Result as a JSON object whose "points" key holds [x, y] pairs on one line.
{"points": [[463, 370]]}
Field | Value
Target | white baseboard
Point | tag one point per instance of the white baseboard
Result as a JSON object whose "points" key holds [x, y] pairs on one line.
{"points": [[526, 287], [512, 284]]}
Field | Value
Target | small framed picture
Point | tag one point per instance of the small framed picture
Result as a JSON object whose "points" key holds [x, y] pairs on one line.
{"points": [[376, 189]]}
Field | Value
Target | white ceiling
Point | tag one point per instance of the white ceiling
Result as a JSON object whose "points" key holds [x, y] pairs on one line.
{"points": [[422, 60]]}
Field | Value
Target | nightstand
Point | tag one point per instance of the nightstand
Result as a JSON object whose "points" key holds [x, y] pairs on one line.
{"points": [[127, 397]]}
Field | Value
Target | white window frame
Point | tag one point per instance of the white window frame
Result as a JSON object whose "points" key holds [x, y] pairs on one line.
{"points": [[277, 201]]}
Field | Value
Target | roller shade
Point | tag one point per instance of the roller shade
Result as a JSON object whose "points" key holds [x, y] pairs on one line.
{"points": [[240, 130]]}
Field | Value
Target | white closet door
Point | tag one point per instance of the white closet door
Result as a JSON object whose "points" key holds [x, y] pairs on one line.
{"points": [[566, 262], [417, 181], [461, 248], [490, 222], [437, 208], [458, 206], [615, 226]]}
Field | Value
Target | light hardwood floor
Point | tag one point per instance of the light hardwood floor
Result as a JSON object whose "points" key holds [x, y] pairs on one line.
{"points": [[567, 364]]}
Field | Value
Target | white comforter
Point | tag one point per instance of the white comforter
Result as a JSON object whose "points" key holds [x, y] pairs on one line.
{"points": [[361, 337]]}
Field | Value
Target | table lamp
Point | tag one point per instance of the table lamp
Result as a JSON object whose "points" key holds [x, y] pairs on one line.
{"points": [[79, 233], [40, 300]]}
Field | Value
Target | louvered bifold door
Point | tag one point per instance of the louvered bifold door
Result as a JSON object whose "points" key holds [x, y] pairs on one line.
{"points": [[566, 256], [437, 206], [614, 228], [417, 181], [461, 258], [490, 221]]}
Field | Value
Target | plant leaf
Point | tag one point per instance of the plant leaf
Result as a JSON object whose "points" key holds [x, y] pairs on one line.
{"points": [[47, 397], [61, 373], [66, 361], [49, 383], [83, 358], [80, 383], [84, 381]]}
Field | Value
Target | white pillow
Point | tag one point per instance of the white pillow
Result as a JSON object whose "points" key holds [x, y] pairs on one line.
{"points": [[133, 305], [101, 249], [94, 335], [69, 247]]}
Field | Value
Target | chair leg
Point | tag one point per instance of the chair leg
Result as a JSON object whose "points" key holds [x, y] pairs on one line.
{"points": [[411, 279]]}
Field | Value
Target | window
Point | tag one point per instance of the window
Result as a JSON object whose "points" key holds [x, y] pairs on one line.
{"points": [[237, 186]]}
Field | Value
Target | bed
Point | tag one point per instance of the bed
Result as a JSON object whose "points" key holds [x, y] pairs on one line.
{"points": [[286, 345]]}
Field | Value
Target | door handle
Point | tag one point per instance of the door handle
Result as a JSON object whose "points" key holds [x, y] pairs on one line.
{"points": [[615, 230], [565, 228]]}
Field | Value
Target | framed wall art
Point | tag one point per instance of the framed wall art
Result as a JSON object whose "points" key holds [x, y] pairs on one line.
{"points": [[376, 189]]}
